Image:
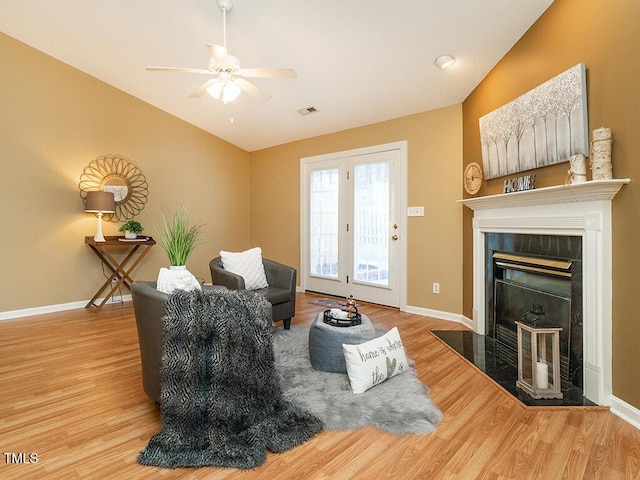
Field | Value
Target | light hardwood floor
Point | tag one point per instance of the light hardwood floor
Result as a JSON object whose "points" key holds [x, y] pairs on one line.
{"points": [[70, 392]]}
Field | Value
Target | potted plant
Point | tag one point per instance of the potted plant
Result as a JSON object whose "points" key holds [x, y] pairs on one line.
{"points": [[131, 229], [178, 239]]}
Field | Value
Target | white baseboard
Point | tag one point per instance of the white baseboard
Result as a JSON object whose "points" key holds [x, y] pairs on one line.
{"points": [[428, 312], [628, 413], [28, 312], [467, 322]]}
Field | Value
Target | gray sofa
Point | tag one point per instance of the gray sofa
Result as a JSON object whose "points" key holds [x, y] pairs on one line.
{"points": [[281, 292]]}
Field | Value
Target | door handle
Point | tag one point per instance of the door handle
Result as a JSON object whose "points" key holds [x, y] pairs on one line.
{"points": [[395, 237]]}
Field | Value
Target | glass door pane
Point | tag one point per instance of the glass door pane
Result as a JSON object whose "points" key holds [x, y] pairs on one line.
{"points": [[323, 223], [371, 206]]}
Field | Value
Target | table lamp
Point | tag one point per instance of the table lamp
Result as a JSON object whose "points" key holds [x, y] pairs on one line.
{"points": [[99, 202]]}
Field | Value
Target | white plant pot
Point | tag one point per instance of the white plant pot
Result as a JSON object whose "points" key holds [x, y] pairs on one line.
{"points": [[176, 277], [130, 235]]}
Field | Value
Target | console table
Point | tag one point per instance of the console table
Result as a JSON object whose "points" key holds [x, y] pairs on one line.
{"points": [[120, 270]]}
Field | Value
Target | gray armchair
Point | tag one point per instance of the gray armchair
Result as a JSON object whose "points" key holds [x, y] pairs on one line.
{"points": [[149, 306], [281, 292]]}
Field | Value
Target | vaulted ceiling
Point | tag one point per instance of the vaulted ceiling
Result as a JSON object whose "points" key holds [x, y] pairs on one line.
{"points": [[358, 61]]}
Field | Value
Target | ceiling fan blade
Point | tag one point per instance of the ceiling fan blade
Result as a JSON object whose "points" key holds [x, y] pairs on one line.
{"points": [[251, 89], [202, 89], [268, 72], [181, 69], [218, 53]]}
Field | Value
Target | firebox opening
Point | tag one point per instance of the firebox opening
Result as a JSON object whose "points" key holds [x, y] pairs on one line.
{"points": [[519, 302], [529, 283]]}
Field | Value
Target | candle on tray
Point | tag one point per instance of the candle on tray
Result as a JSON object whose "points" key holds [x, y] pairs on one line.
{"points": [[542, 375]]}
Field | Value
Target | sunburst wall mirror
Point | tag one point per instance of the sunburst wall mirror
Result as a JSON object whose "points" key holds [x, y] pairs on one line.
{"points": [[117, 174]]}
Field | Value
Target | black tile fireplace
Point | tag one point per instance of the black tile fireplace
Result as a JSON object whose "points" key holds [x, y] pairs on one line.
{"points": [[569, 223], [531, 277]]}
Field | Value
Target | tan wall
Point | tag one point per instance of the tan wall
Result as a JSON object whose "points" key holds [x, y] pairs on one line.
{"points": [[434, 163], [54, 120], [603, 35]]}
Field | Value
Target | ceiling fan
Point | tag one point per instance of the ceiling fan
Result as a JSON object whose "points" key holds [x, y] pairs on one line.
{"points": [[228, 78]]}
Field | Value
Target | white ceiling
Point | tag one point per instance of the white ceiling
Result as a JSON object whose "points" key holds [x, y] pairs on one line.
{"points": [[358, 61]]}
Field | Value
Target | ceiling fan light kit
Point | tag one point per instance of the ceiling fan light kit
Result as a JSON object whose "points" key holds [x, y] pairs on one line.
{"points": [[228, 89], [229, 80]]}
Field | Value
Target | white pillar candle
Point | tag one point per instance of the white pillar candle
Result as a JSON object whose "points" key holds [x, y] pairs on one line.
{"points": [[542, 375]]}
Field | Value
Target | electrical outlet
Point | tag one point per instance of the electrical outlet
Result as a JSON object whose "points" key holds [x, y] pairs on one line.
{"points": [[415, 211], [436, 288]]}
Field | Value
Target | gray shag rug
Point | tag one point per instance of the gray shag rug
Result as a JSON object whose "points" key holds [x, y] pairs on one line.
{"points": [[399, 405]]}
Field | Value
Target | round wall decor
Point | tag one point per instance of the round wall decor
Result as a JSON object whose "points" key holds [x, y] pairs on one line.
{"points": [[117, 174], [472, 178]]}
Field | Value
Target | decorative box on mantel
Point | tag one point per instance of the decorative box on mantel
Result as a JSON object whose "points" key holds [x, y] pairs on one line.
{"points": [[580, 209]]}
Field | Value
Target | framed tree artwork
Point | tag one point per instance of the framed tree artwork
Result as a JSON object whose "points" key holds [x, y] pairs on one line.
{"points": [[545, 126]]}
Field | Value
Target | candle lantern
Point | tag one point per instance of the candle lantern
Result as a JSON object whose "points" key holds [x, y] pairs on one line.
{"points": [[539, 359]]}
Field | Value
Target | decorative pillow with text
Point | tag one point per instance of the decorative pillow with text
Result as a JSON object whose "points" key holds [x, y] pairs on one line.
{"points": [[248, 265], [375, 361]]}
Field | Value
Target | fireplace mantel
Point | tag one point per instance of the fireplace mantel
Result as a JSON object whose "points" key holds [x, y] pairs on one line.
{"points": [[584, 210], [558, 194]]}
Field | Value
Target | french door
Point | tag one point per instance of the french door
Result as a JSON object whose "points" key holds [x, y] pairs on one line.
{"points": [[352, 224]]}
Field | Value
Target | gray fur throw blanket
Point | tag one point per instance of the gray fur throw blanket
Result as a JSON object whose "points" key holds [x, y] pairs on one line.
{"points": [[221, 401]]}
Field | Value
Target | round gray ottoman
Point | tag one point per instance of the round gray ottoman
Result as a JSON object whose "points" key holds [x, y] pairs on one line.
{"points": [[325, 343]]}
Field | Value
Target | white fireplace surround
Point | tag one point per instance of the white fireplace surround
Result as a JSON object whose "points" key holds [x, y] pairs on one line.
{"points": [[584, 210]]}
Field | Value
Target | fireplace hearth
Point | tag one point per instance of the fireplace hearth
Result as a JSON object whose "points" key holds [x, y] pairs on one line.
{"points": [[482, 351]]}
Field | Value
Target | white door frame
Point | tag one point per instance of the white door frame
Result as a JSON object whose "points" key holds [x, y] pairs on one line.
{"points": [[402, 179]]}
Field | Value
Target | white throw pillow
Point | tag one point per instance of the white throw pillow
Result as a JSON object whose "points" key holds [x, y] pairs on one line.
{"points": [[375, 361], [247, 264]]}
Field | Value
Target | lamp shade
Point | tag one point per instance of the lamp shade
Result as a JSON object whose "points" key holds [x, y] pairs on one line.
{"points": [[100, 202]]}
